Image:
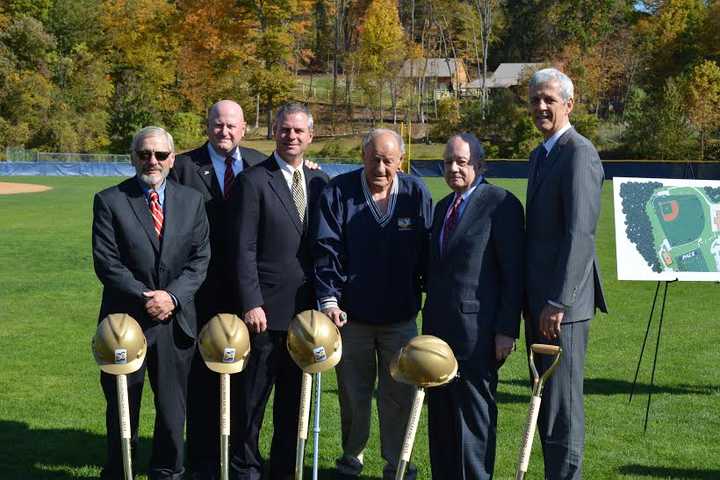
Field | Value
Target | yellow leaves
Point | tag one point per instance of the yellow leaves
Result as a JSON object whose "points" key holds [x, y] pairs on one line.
{"points": [[704, 95], [382, 38]]}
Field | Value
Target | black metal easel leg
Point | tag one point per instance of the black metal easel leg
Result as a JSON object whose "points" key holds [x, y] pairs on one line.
{"points": [[657, 348], [642, 350]]}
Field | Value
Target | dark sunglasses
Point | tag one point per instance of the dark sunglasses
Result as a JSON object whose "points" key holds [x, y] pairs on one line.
{"points": [[146, 155]]}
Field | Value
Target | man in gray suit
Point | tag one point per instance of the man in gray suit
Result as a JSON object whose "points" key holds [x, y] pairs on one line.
{"points": [[474, 297], [563, 277]]}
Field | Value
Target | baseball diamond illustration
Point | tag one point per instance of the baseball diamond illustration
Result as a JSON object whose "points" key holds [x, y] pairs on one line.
{"points": [[673, 228]]}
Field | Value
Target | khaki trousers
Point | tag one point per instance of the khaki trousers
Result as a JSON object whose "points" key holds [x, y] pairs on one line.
{"points": [[367, 352]]}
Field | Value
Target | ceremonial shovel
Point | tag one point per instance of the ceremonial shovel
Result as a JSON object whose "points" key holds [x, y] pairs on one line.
{"points": [[426, 361], [538, 383], [224, 344], [315, 345]]}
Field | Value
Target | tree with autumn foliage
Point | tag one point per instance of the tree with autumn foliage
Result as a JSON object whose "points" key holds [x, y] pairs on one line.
{"points": [[703, 89], [143, 56], [381, 51], [275, 26]]}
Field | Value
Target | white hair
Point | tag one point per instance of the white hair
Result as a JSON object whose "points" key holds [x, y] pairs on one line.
{"points": [[151, 131], [376, 132], [547, 75]]}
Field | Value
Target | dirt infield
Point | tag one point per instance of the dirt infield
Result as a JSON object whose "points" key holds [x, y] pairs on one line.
{"points": [[7, 188]]}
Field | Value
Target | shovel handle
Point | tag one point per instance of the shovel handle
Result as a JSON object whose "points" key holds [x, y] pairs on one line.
{"points": [[303, 419], [545, 349], [125, 432], [527, 442], [224, 404], [224, 426], [410, 433]]}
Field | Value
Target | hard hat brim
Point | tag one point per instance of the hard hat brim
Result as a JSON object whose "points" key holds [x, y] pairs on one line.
{"points": [[123, 368], [221, 367]]}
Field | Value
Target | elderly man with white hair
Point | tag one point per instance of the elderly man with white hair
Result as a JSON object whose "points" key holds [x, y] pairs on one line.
{"points": [[370, 254], [563, 287]]}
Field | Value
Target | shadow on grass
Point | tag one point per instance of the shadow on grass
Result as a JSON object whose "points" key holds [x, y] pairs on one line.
{"points": [[607, 386], [329, 474], [50, 454], [669, 472], [53, 454], [502, 397]]}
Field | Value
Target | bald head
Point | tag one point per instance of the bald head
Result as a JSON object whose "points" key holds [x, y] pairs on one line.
{"points": [[226, 126]]}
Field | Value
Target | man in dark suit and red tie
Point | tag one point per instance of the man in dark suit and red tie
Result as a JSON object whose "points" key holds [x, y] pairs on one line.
{"points": [[211, 169], [563, 276], [273, 205], [474, 298], [151, 252]]}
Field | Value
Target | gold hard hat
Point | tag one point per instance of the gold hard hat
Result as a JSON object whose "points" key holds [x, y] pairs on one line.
{"points": [[426, 361], [314, 341], [119, 345], [224, 343]]}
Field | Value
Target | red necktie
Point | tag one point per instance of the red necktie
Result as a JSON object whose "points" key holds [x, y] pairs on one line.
{"points": [[451, 221], [157, 212], [229, 177]]}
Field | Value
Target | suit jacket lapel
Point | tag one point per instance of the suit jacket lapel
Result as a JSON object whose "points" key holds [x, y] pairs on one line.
{"points": [[280, 187], [207, 173], [309, 175], [532, 181], [169, 224], [140, 207], [439, 221], [551, 161]]}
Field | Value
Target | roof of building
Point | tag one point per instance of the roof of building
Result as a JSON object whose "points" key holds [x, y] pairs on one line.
{"points": [[430, 67], [506, 75]]}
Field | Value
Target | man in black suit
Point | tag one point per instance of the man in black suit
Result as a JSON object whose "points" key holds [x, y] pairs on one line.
{"points": [[274, 204], [151, 252], [211, 170], [563, 277], [474, 299]]}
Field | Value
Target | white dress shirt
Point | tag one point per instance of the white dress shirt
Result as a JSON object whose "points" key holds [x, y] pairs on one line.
{"points": [[218, 163], [288, 171]]}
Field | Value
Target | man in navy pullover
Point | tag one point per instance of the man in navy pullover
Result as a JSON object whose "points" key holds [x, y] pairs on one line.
{"points": [[371, 250]]}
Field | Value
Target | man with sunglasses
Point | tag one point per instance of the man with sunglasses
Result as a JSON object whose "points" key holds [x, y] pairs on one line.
{"points": [[151, 252]]}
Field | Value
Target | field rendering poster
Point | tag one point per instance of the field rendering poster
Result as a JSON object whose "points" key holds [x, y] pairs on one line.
{"points": [[667, 229]]}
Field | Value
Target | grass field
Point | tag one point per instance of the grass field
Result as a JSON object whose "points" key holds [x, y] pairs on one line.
{"points": [[51, 404]]}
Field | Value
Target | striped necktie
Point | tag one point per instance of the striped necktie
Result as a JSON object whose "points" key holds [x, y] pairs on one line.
{"points": [[229, 178], [298, 194], [157, 213]]}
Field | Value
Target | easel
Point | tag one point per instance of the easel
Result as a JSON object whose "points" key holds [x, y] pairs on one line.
{"points": [[657, 347]]}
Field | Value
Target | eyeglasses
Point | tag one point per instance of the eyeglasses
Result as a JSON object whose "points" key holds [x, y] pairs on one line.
{"points": [[146, 155]]}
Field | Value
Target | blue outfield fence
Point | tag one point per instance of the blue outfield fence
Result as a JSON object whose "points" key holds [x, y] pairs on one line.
{"points": [[422, 168], [61, 169], [613, 168]]}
